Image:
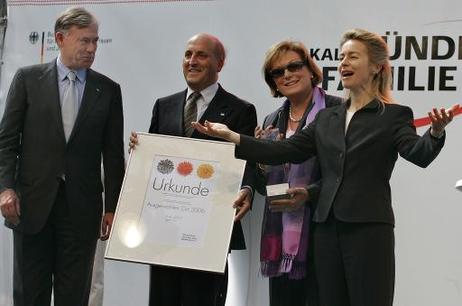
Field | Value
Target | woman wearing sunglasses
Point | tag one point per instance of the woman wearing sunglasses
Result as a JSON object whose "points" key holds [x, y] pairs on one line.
{"points": [[290, 72], [357, 144]]}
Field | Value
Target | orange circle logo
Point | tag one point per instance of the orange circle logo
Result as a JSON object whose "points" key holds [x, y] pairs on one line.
{"points": [[205, 171]]}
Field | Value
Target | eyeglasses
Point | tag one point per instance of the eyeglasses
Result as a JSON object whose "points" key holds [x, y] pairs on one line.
{"points": [[291, 67]]}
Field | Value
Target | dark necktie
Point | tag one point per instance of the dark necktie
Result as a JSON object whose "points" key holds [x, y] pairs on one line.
{"points": [[190, 113]]}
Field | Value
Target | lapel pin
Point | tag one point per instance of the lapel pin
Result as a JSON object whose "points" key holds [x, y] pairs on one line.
{"points": [[222, 114]]}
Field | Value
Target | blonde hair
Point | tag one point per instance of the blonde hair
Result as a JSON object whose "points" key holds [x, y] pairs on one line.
{"points": [[378, 54], [278, 50]]}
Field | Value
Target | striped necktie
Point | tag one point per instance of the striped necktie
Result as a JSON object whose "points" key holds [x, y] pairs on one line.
{"points": [[190, 113]]}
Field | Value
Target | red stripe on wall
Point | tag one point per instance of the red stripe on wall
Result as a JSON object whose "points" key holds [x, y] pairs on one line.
{"points": [[426, 120]]}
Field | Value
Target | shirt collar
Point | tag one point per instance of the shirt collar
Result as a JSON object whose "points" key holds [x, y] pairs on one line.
{"points": [[63, 71], [207, 93]]}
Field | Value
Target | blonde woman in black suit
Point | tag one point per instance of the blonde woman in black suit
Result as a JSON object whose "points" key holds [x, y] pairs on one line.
{"points": [[357, 144]]}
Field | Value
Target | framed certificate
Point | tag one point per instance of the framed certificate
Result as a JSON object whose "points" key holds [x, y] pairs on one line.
{"points": [[175, 207]]}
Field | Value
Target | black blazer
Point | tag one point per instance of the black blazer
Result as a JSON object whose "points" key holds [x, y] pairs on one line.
{"points": [[34, 154], [239, 115], [356, 166], [278, 119]]}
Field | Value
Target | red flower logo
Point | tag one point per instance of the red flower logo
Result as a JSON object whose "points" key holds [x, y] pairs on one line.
{"points": [[184, 168]]}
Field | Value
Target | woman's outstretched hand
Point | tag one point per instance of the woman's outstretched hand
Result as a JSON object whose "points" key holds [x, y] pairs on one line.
{"points": [[441, 118], [218, 130]]}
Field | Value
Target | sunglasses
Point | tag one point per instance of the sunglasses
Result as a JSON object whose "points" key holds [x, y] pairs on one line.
{"points": [[291, 67]]}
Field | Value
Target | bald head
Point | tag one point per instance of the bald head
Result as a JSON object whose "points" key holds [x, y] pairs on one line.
{"points": [[203, 60], [215, 44]]}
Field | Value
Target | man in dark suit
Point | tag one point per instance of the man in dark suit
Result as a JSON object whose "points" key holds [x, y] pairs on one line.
{"points": [[203, 60], [61, 119]]}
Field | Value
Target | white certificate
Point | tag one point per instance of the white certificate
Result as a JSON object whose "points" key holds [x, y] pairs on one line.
{"points": [[178, 200], [175, 207]]}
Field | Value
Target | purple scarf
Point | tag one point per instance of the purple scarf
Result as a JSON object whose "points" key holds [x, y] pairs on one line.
{"points": [[284, 242]]}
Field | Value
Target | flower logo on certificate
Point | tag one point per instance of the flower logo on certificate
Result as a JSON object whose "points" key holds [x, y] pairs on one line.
{"points": [[174, 207], [178, 200], [185, 168]]}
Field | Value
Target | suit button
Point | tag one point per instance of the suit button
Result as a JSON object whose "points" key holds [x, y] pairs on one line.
{"points": [[340, 154], [338, 180]]}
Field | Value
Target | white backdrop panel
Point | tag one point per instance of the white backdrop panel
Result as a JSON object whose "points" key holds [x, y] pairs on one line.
{"points": [[142, 46]]}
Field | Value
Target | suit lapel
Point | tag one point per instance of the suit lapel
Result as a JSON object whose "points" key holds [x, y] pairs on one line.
{"points": [[173, 125], [90, 97], [218, 109], [50, 85], [336, 127]]}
